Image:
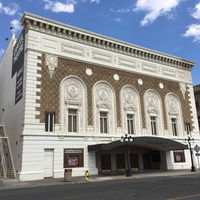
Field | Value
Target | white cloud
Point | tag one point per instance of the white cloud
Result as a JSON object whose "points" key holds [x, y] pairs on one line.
{"points": [[11, 9], [118, 20], [57, 6], [95, 1], [155, 8], [196, 12], [91, 1], [120, 10], [193, 31], [72, 2], [16, 25]]}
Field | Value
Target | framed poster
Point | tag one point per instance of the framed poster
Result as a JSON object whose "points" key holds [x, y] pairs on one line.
{"points": [[179, 156], [73, 158]]}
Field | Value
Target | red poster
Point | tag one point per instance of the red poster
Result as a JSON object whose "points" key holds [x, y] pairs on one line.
{"points": [[73, 160]]}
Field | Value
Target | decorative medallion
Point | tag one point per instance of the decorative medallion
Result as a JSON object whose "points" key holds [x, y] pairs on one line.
{"points": [[161, 85], [73, 92], [140, 81], [172, 104], [129, 98], [88, 71], [103, 95], [116, 77], [152, 101]]}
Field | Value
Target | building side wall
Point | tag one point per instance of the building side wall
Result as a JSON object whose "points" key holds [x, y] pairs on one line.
{"points": [[193, 110], [11, 115], [197, 102]]}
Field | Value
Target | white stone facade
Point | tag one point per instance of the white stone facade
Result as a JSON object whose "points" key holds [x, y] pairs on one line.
{"points": [[33, 147]]}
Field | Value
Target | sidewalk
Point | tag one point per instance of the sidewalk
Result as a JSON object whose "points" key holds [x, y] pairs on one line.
{"points": [[11, 184]]}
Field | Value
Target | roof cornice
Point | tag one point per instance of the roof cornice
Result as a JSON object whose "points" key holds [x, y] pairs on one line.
{"points": [[41, 24]]}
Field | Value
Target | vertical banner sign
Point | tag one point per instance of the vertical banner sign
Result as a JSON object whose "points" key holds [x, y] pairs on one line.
{"points": [[18, 66]]}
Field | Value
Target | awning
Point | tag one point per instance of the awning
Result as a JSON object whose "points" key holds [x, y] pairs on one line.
{"points": [[150, 142]]}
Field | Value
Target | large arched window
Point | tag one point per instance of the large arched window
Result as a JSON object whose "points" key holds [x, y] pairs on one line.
{"points": [[130, 110], [73, 109], [174, 115], [154, 116], [104, 108]]}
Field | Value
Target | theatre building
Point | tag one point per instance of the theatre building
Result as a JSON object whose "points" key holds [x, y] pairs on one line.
{"points": [[68, 95]]}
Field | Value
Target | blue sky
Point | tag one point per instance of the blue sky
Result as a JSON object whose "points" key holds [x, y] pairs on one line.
{"points": [[168, 26]]}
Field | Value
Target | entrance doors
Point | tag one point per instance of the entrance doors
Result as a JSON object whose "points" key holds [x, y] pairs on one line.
{"points": [[120, 161], [134, 161], [147, 161], [105, 162], [48, 163]]}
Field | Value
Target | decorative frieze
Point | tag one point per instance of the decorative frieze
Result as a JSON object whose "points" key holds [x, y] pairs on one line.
{"points": [[100, 56], [31, 21], [50, 44], [169, 73], [149, 68], [127, 63], [72, 49]]}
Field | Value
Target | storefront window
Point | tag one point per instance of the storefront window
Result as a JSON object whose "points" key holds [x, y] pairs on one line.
{"points": [[73, 158]]}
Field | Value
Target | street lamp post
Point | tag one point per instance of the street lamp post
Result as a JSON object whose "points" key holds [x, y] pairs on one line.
{"points": [[127, 139], [189, 139]]}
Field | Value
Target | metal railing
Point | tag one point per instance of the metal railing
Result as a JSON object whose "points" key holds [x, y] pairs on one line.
{"points": [[3, 160], [5, 150]]}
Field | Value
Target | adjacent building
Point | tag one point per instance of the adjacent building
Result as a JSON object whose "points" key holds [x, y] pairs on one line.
{"points": [[197, 101], [67, 96]]}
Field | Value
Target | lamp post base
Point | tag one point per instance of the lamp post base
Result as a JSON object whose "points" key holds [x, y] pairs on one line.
{"points": [[193, 169], [128, 173]]}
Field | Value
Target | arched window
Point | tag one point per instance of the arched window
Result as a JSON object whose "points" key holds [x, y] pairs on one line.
{"points": [[154, 116], [73, 109], [104, 108], [130, 110], [174, 115]]}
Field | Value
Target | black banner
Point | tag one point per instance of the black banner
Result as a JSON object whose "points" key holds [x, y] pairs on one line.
{"points": [[18, 66], [19, 85]]}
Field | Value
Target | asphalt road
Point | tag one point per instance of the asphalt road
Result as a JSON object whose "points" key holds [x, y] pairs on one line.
{"points": [[167, 188]]}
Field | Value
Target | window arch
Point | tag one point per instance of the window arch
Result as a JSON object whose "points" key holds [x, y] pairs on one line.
{"points": [[130, 110], [73, 105], [154, 116], [174, 115], [104, 108]]}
